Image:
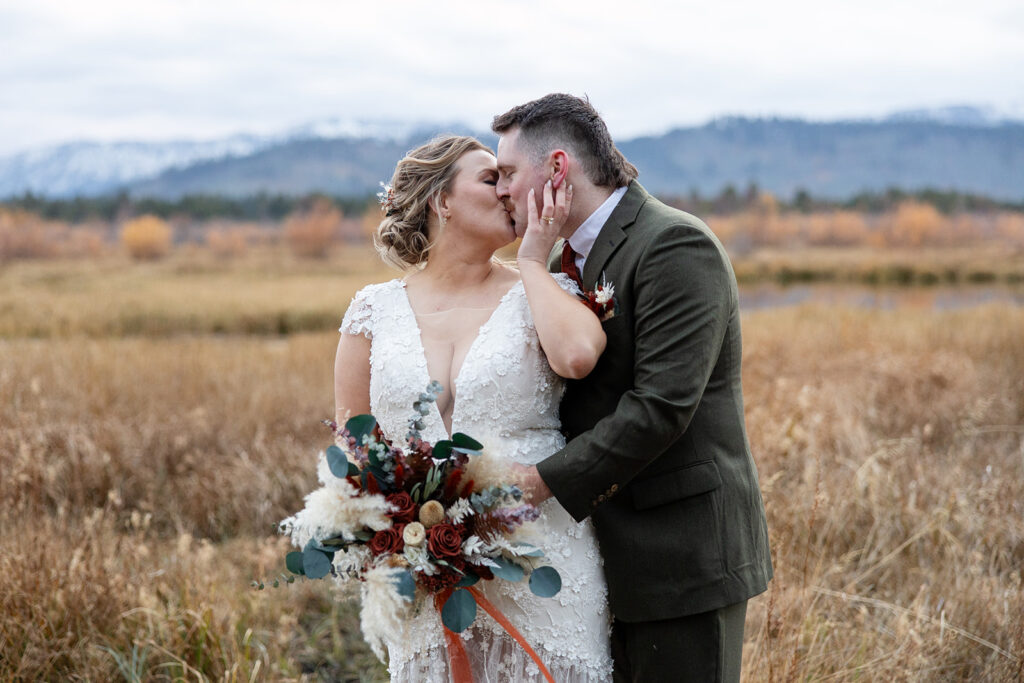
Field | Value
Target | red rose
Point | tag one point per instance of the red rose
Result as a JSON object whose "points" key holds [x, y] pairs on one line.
{"points": [[444, 541], [388, 541], [405, 508]]}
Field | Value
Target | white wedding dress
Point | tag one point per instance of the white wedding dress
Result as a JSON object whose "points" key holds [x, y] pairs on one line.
{"points": [[506, 396]]}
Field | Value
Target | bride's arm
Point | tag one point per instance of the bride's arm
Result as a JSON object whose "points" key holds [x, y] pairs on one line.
{"points": [[570, 333], [351, 377]]}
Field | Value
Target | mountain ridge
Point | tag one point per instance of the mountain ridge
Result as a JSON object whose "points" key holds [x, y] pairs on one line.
{"points": [[957, 148]]}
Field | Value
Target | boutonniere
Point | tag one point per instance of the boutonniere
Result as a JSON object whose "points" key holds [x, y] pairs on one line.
{"points": [[601, 300]]}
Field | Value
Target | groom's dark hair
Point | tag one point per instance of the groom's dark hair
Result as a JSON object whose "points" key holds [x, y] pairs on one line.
{"points": [[560, 120]]}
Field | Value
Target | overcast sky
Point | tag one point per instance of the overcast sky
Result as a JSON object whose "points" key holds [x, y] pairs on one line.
{"points": [[163, 69]]}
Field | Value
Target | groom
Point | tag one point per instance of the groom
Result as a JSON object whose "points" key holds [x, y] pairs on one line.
{"points": [[658, 453]]}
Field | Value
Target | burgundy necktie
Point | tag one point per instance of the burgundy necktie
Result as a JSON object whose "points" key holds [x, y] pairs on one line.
{"points": [[569, 264]]}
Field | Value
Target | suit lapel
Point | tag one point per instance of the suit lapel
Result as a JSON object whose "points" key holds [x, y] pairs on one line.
{"points": [[613, 232]]}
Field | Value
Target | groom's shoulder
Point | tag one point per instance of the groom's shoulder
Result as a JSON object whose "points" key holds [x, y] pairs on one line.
{"points": [[654, 218], [659, 227]]}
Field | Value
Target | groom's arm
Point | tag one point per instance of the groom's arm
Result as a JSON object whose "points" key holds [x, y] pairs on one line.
{"points": [[684, 294]]}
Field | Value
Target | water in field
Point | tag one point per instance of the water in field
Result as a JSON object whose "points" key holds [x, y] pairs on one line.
{"points": [[762, 296]]}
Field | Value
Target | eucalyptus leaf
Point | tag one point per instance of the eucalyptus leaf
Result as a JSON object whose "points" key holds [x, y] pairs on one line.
{"points": [[507, 569], [463, 441], [371, 457], [442, 450], [467, 580], [545, 582], [379, 474], [293, 561], [338, 463], [459, 611], [360, 426], [316, 563], [405, 585]]}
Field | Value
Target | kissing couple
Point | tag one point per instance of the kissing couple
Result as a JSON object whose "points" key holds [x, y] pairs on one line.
{"points": [[626, 428]]}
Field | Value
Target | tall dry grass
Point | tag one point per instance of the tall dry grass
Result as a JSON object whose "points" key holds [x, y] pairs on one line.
{"points": [[142, 480], [891, 453], [142, 476], [268, 291]]}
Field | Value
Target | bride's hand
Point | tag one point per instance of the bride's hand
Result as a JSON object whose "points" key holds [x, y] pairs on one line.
{"points": [[542, 231], [533, 487]]}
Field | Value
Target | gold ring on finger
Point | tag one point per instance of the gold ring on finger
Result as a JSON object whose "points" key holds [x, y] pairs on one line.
{"points": [[548, 219]]}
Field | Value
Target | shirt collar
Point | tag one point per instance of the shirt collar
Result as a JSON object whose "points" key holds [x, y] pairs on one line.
{"points": [[582, 241]]}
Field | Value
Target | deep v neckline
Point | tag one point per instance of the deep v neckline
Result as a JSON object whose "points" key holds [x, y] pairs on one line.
{"points": [[422, 355]]}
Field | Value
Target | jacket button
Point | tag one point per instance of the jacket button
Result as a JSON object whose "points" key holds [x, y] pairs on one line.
{"points": [[614, 488], [601, 498]]}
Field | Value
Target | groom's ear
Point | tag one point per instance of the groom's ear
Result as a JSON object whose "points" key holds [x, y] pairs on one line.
{"points": [[558, 162]]}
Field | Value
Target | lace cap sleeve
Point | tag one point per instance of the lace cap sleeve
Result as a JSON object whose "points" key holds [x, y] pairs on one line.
{"points": [[359, 316], [567, 283]]}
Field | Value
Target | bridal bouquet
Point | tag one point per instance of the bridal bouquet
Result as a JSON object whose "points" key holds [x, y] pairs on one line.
{"points": [[411, 523]]}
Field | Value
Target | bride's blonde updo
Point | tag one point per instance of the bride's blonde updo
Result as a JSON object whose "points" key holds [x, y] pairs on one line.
{"points": [[403, 238]]}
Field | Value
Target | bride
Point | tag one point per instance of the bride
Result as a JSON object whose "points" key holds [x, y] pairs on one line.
{"points": [[499, 339]]}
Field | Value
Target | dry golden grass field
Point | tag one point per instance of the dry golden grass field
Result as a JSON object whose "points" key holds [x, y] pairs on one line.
{"points": [[157, 419]]}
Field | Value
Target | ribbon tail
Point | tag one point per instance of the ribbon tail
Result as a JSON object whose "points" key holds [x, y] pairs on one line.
{"points": [[512, 631], [458, 660]]}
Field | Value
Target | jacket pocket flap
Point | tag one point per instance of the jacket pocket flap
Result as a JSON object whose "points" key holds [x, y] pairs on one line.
{"points": [[675, 485]]}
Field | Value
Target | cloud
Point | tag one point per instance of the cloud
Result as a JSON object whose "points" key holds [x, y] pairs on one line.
{"points": [[118, 69]]}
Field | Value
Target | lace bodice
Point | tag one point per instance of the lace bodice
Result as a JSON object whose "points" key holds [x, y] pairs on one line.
{"points": [[505, 389], [506, 395]]}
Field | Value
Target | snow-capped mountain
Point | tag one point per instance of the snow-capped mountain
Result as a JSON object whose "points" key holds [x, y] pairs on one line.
{"points": [[968, 149], [93, 168], [88, 168]]}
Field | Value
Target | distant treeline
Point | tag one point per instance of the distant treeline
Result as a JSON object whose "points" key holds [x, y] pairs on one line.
{"points": [[200, 207], [732, 200], [266, 207]]}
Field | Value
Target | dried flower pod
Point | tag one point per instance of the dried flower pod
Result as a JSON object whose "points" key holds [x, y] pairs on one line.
{"points": [[397, 561], [431, 513], [414, 534]]}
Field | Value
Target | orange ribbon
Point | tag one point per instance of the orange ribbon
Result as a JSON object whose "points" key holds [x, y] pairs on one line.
{"points": [[458, 660]]}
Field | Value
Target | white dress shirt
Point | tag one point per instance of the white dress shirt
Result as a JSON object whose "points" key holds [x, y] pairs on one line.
{"points": [[582, 241]]}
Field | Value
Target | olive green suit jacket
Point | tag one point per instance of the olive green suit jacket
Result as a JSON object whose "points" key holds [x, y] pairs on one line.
{"points": [[658, 454]]}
